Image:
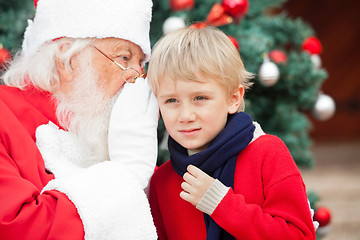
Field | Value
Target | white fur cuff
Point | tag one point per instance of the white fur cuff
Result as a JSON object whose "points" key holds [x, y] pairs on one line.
{"points": [[110, 203]]}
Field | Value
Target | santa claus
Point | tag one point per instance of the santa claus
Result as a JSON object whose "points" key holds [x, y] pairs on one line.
{"points": [[78, 124]]}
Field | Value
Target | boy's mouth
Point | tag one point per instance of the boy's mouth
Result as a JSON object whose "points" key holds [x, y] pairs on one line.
{"points": [[190, 131]]}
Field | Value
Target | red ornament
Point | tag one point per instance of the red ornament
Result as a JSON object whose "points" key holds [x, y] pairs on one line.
{"points": [[217, 16], [35, 3], [312, 45], [5, 56], [198, 25], [236, 8], [234, 41], [278, 56], [322, 216], [179, 5]]}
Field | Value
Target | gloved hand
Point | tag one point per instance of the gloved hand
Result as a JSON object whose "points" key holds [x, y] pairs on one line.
{"points": [[59, 150], [132, 135], [109, 200]]}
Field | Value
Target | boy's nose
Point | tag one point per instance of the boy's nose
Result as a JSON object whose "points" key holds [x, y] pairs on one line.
{"points": [[187, 114]]}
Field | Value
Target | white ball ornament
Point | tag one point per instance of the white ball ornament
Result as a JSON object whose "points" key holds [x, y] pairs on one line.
{"points": [[316, 60], [324, 107], [268, 73], [172, 24]]}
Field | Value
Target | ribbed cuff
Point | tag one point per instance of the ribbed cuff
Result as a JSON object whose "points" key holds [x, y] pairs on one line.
{"points": [[212, 197]]}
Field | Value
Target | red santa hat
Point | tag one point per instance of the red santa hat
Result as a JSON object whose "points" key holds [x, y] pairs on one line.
{"points": [[125, 19]]}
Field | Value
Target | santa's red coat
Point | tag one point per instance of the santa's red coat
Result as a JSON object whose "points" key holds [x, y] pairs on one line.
{"points": [[25, 213]]}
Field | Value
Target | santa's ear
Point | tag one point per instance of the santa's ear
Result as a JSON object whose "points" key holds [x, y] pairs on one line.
{"points": [[64, 69], [236, 98]]}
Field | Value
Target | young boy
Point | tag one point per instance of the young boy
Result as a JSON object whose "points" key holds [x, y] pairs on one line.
{"points": [[226, 179]]}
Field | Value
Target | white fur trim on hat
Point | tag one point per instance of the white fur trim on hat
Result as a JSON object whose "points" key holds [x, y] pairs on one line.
{"points": [[125, 19]]}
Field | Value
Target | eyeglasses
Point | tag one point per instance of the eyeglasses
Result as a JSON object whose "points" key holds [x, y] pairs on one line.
{"points": [[129, 74]]}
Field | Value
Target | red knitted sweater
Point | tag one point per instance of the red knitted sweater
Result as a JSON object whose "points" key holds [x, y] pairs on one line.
{"points": [[268, 200]]}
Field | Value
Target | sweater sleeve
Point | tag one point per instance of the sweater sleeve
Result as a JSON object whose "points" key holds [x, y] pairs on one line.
{"points": [[212, 197], [276, 219], [284, 212]]}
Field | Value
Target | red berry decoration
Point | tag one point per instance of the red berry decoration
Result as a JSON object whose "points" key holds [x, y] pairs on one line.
{"points": [[322, 216], [179, 5], [217, 16], [278, 56], [236, 8], [5, 56], [312, 45], [234, 41]]}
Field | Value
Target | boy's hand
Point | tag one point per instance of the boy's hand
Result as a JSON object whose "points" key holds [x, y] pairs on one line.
{"points": [[196, 185]]}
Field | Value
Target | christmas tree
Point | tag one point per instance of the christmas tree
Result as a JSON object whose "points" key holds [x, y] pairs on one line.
{"points": [[13, 21]]}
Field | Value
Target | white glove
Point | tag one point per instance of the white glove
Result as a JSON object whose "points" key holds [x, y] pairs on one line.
{"points": [[59, 150], [110, 202], [133, 130]]}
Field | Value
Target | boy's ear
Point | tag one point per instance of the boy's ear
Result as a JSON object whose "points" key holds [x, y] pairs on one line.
{"points": [[236, 99]]}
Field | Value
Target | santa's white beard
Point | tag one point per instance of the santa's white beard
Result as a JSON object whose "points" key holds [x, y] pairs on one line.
{"points": [[85, 112]]}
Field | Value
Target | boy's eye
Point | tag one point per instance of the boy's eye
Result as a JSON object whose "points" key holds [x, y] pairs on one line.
{"points": [[199, 98], [170, 100]]}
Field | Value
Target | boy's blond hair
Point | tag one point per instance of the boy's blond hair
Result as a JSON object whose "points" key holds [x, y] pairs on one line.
{"points": [[196, 54]]}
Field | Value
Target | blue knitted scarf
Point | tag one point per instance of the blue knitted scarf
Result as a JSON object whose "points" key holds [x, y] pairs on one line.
{"points": [[218, 160]]}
